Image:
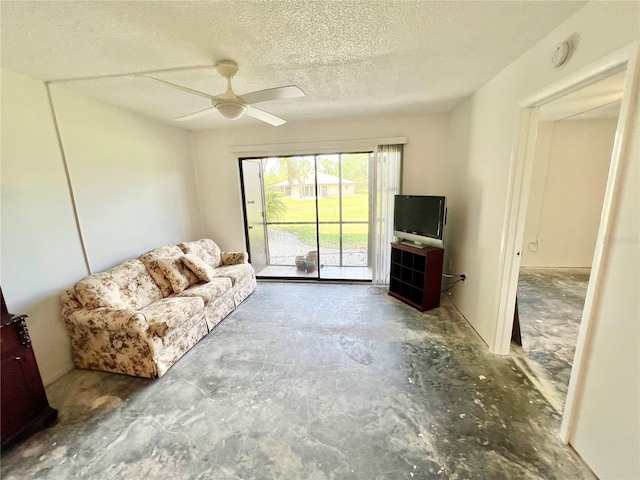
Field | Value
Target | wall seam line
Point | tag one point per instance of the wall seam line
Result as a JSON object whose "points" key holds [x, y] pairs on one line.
{"points": [[68, 178]]}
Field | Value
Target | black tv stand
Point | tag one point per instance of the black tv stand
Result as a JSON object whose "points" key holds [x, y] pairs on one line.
{"points": [[416, 275]]}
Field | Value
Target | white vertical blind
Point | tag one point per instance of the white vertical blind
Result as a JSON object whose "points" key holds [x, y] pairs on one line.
{"points": [[388, 168]]}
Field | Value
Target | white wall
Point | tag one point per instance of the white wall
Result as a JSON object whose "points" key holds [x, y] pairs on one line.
{"points": [[483, 130], [425, 165], [607, 432], [133, 179], [567, 190], [482, 136], [41, 253], [134, 186]]}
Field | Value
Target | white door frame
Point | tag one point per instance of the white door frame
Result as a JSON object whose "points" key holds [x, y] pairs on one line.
{"points": [[251, 246], [517, 199]]}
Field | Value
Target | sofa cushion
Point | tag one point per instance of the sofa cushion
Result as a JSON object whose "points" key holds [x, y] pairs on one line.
{"points": [[177, 341], [150, 261], [204, 249], [233, 258], [126, 286], [235, 272], [198, 266], [179, 276], [168, 314], [209, 291]]}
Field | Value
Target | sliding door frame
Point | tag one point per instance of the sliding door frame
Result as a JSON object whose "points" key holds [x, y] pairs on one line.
{"points": [[340, 222]]}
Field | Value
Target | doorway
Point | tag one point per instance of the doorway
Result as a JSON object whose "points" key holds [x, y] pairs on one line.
{"points": [[522, 163], [571, 163], [309, 216]]}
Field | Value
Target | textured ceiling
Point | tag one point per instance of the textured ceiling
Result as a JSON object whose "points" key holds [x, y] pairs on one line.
{"points": [[350, 58]]}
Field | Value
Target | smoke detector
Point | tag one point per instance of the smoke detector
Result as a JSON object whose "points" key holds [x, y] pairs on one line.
{"points": [[562, 53]]}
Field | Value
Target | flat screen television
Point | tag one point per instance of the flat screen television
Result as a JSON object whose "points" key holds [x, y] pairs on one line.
{"points": [[420, 219]]}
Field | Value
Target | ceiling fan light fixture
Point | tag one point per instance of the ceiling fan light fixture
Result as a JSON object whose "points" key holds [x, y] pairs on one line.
{"points": [[231, 110]]}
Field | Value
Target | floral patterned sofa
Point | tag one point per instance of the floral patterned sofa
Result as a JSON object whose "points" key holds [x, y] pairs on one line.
{"points": [[140, 317]]}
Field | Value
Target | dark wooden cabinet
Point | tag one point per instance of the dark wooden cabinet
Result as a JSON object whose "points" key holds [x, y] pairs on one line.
{"points": [[25, 408], [416, 275]]}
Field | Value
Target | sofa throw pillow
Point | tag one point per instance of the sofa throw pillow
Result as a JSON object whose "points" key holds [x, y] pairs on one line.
{"points": [[206, 249], [178, 275], [199, 267], [150, 260]]}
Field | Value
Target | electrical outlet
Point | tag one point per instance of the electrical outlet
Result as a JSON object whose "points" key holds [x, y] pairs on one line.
{"points": [[463, 277]]}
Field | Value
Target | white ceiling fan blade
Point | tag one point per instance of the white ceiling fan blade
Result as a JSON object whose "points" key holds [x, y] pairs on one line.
{"points": [[180, 87], [277, 93], [264, 116], [195, 114]]}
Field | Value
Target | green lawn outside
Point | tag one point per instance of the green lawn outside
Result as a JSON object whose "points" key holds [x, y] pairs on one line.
{"points": [[354, 208]]}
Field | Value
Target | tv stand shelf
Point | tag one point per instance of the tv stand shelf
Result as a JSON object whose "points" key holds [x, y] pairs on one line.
{"points": [[416, 275]]}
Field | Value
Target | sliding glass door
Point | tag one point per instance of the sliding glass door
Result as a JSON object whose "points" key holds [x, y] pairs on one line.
{"points": [[292, 221], [343, 213], [315, 215]]}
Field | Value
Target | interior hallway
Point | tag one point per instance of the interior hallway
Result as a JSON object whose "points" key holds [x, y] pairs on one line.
{"points": [[309, 381]]}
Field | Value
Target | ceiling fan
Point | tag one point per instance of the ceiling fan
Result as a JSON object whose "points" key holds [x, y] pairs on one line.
{"points": [[233, 106]]}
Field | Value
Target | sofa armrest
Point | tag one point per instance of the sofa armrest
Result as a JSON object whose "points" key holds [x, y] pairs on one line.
{"points": [[108, 319], [69, 302], [233, 258]]}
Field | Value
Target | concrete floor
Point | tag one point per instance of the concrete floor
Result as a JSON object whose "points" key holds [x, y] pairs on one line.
{"points": [[307, 381], [550, 305]]}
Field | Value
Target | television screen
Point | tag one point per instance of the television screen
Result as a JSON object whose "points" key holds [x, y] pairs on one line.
{"points": [[419, 215]]}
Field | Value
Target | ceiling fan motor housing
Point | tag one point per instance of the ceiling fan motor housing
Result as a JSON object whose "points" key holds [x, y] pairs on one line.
{"points": [[227, 68]]}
